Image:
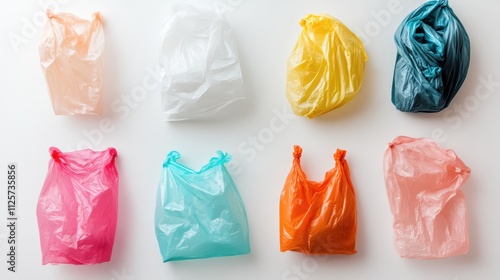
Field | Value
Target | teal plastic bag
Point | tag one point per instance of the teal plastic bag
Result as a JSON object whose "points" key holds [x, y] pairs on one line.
{"points": [[199, 214], [432, 61]]}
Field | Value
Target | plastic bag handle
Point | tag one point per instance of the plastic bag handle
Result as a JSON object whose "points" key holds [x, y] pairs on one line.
{"points": [[173, 156], [297, 152], [97, 16], [49, 13], [339, 155], [55, 153], [113, 152], [223, 158]]}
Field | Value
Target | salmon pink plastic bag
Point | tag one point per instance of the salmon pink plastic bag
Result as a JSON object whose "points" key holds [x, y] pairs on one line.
{"points": [[430, 214], [71, 57], [318, 217], [77, 207]]}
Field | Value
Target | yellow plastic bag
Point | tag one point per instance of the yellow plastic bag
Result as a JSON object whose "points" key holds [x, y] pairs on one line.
{"points": [[326, 67]]}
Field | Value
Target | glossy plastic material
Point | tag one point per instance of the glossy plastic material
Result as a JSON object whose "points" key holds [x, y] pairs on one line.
{"points": [[430, 214], [326, 67], [200, 64], [432, 60], [318, 217], [77, 209], [71, 51], [199, 214]]}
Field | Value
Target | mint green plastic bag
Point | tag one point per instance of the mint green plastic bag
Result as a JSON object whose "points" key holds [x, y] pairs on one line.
{"points": [[199, 214]]}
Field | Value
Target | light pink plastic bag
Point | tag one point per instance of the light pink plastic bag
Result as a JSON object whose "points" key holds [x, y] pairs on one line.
{"points": [[430, 214], [77, 208], [71, 57]]}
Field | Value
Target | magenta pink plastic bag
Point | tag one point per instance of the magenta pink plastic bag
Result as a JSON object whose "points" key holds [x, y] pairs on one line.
{"points": [[78, 206], [430, 214]]}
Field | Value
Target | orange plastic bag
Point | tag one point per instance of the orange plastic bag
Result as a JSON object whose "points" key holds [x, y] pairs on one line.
{"points": [[318, 217], [71, 57]]}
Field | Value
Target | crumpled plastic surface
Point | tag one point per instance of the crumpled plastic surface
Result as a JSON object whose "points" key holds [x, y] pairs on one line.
{"points": [[432, 60], [71, 52], [200, 67], [326, 67], [77, 208], [430, 214], [318, 217], [199, 214]]}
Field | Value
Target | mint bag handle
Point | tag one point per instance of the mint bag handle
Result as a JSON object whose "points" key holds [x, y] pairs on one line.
{"points": [[220, 160], [173, 156]]}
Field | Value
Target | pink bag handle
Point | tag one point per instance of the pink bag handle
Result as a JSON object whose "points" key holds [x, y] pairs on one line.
{"points": [[55, 153]]}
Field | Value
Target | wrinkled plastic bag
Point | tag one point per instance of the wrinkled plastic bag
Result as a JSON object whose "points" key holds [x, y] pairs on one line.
{"points": [[199, 214], [432, 60], [326, 67], [200, 67], [71, 52], [430, 214], [318, 217], [77, 208]]}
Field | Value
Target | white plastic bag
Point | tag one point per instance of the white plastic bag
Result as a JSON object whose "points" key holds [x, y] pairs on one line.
{"points": [[199, 64]]}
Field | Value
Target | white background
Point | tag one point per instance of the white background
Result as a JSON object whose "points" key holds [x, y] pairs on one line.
{"points": [[266, 32]]}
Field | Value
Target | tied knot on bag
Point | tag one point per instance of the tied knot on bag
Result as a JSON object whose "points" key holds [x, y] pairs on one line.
{"points": [[55, 153], [49, 13], [220, 160], [443, 2], [97, 16], [297, 151], [461, 171], [302, 22], [399, 140], [339, 154], [392, 144], [306, 22], [172, 157], [311, 20], [113, 152], [223, 157]]}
